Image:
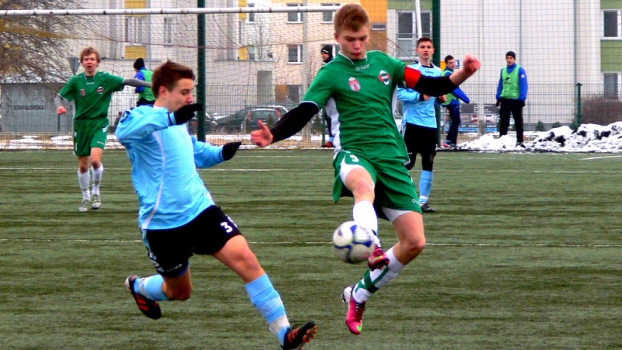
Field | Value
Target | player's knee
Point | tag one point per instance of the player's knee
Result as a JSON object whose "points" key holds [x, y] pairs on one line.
{"points": [[96, 164], [363, 187], [251, 263], [177, 292], [181, 294], [415, 244]]}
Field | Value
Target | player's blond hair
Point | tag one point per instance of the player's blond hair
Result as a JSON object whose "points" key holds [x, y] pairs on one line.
{"points": [[89, 51], [351, 17]]}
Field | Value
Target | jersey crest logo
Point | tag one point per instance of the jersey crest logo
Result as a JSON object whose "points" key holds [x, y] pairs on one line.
{"points": [[355, 85], [100, 90], [82, 92], [384, 77]]}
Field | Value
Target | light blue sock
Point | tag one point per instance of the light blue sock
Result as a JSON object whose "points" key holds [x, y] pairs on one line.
{"points": [[150, 287], [425, 185], [268, 301]]}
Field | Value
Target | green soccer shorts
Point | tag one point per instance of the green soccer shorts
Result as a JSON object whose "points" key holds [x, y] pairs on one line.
{"points": [[89, 133], [394, 189]]}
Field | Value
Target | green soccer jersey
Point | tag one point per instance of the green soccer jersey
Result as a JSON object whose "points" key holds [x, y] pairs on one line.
{"points": [[92, 95], [360, 97]]}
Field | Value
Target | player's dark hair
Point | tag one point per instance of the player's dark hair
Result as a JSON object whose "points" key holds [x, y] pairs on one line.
{"points": [[89, 51], [351, 17], [168, 74], [448, 57], [424, 39]]}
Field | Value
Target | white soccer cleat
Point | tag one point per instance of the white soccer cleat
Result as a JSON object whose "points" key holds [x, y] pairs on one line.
{"points": [[95, 201], [84, 205]]}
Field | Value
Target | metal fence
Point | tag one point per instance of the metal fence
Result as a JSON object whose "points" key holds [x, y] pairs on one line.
{"points": [[29, 119]]}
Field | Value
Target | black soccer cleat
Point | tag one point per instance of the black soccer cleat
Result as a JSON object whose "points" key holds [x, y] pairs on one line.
{"points": [[426, 208], [149, 307], [299, 336]]}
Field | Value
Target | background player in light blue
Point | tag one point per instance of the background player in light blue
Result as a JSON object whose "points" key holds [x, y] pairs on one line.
{"points": [[419, 124], [178, 217]]}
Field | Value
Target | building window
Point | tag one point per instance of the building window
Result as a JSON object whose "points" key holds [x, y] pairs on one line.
{"points": [[294, 53], [426, 24], [327, 16], [168, 30], [612, 24], [407, 35], [294, 92], [251, 15], [134, 29], [611, 85], [294, 17], [251, 53], [378, 26]]}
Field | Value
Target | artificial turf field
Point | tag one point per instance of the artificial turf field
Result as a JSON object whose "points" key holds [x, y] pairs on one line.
{"points": [[523, 253]]}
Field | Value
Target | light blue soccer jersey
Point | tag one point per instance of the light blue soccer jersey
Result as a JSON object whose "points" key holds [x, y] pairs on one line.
{"points": [[417, 111], [164, 160]]}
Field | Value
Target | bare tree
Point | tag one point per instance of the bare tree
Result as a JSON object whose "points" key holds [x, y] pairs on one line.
{"points": [[259, 37], [34, 48]]}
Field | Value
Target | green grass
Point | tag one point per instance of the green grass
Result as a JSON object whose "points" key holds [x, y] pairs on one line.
{"points": [[523, 253]]}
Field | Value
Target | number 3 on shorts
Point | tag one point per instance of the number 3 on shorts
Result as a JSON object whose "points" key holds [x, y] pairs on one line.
{"points": [[225, 225]]}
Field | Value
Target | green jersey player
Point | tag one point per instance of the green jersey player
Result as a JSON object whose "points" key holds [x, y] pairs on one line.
{"points": [[91, 92], [358, 90]]}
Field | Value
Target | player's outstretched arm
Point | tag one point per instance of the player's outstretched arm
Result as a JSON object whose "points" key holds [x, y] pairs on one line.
{"points": [[470, 65], [292, 122], [136, 82], [437, 86], [262, 137], [58, 102]]}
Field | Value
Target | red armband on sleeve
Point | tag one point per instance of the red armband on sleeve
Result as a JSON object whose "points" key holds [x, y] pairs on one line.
{"points": [[411, 77]]}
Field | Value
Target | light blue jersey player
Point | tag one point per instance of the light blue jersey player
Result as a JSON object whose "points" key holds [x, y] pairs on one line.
{"points": [[170, 191], [178, 217], [419, 109], [419, 124]]}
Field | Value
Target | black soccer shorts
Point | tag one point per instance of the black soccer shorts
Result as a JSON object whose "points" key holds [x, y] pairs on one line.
{"points": [[170, 249]]}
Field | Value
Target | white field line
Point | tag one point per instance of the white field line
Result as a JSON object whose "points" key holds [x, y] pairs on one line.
{"points": [[284, 243]]}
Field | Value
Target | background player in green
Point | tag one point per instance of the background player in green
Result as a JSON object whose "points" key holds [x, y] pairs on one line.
{"points": [[369, 150], [91, 92], [145, 94]]}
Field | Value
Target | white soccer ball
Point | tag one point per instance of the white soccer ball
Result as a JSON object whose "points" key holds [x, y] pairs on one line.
{"points": [[353, 243]]}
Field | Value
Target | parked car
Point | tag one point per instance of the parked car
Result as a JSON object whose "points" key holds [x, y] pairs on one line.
{"points": [[210, 124], [247, 118]]}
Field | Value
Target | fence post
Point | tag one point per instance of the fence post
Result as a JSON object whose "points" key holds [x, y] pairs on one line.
{"points": [[323, 123], [579, 104]]}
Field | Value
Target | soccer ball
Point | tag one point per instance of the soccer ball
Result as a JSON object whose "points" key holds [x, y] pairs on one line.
{"points": [[353, 243]]}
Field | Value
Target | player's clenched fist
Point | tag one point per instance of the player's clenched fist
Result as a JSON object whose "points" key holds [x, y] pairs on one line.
{"points": [[471, 64]]}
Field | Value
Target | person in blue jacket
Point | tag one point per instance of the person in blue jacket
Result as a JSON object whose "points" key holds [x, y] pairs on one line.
{"points": [[145, 94], [178, 217], [419, 127], [453, 105], [511, 95]]}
